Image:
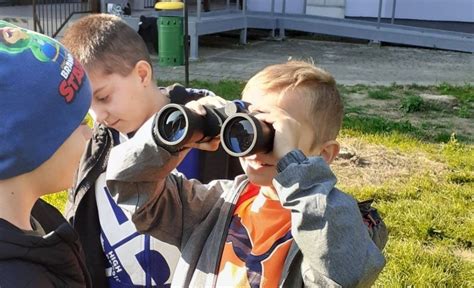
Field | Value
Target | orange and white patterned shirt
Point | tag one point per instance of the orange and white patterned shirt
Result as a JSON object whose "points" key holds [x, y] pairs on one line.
{"points": [[257, 242]]}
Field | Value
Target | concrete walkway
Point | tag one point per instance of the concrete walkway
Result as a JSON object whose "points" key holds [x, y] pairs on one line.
{"points": [[349, 63]]}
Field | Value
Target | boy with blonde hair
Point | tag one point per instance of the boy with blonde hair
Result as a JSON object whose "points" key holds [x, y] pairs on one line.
{"points": [[125, 95], [44, 98], [283, 223]]}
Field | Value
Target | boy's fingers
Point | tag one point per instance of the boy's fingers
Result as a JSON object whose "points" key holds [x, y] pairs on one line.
{"points": [[184, 150], [266, 117], [212, 101], [271, 114], [211, 145], [261, 108], [209, 101], [196, 107], [208, 146], [270, 110]]}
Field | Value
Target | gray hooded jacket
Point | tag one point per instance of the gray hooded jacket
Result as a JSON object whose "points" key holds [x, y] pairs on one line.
{"points": [[332, 246]]}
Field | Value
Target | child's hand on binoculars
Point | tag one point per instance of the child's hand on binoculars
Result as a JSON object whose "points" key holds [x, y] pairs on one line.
{"points": [[209, 101], [198, 107], [287, 129], [211, 145]]}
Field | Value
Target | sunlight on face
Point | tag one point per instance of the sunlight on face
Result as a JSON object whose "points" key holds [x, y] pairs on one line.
{"points": [[120, 102], [261, 167]]}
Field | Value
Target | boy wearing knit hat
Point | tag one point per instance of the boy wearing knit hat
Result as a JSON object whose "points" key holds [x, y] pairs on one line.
{"points": [[44, 97]]}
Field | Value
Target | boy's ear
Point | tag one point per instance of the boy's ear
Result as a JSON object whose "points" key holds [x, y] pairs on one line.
{"points": [[144, 71], [330, 150]]}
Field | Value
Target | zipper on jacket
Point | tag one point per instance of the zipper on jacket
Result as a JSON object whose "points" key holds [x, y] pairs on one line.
{"points": [[85, 182], [225, 231], [82, 182]]}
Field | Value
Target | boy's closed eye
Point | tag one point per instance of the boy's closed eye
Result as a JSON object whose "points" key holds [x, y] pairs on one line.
{"points": [[103, 98]]}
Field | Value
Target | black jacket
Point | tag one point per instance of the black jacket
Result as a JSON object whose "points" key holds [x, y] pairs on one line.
{"points": [[81, 207], [55, 260]]}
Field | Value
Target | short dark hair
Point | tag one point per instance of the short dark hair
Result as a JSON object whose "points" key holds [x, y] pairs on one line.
{"points": [[105, 42]]}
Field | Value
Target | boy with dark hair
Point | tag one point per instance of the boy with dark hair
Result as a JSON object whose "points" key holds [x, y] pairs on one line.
{"points": [[283, 223], [44, 97], [125, 95]]}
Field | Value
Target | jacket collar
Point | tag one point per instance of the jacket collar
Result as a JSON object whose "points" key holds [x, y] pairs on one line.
{"points": [[93, 163]]}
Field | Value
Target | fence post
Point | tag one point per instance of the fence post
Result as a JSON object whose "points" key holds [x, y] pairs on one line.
{"points": [[393, 10], [186, 43], [380, 14], [95, 6], [282, 28]]}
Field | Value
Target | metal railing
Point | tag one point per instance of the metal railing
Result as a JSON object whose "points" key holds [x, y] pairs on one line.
{"points": [[379, 15], [385, 24], [50, 16], [149, 3]]}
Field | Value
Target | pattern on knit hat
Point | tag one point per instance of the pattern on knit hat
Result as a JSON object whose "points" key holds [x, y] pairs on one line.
{"points": [[44, 96]]}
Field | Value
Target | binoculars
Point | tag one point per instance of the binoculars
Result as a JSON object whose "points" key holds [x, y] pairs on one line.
{"points": [[241, 133]]}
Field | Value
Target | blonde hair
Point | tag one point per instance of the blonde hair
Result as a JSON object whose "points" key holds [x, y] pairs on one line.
{"points": [[107, 43], [317, 89]]}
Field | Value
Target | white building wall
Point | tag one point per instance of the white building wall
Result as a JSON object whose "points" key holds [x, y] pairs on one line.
{"points": [[292, 6], [328, 8], [436, 10]]}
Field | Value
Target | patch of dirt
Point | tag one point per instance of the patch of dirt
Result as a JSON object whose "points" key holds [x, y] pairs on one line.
{"points": [[461, 126], [361, 164], [440, 99], [466, 255], [361, 99]]}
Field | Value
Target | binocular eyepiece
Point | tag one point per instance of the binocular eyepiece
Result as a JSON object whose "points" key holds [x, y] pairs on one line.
{"points": [[241, 133]]}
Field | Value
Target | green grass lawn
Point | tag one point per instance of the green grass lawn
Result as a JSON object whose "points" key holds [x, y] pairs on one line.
{"points": [[429, 210]]}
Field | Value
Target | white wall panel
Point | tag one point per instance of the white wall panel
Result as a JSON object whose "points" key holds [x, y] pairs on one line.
{"points": [[438, 10]]}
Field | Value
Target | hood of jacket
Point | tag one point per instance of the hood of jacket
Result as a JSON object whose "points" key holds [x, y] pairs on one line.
{"points": [[58, 251]]}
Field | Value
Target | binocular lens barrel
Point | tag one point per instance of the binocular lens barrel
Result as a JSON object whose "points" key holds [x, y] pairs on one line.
{"points": [[243, 134], [178, 125], [173, 125], [240, 135]]}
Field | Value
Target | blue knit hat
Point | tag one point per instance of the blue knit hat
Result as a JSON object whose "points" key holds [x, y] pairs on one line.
{"points": [[44, 96]]}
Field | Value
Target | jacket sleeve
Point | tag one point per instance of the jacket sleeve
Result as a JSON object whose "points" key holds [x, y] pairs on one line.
{"points": [[171, 205], [374, 222], [326, 225]]}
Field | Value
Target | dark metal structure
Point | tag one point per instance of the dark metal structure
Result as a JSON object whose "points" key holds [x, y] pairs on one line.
{"points": [[50, 16], [149, 3]]}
